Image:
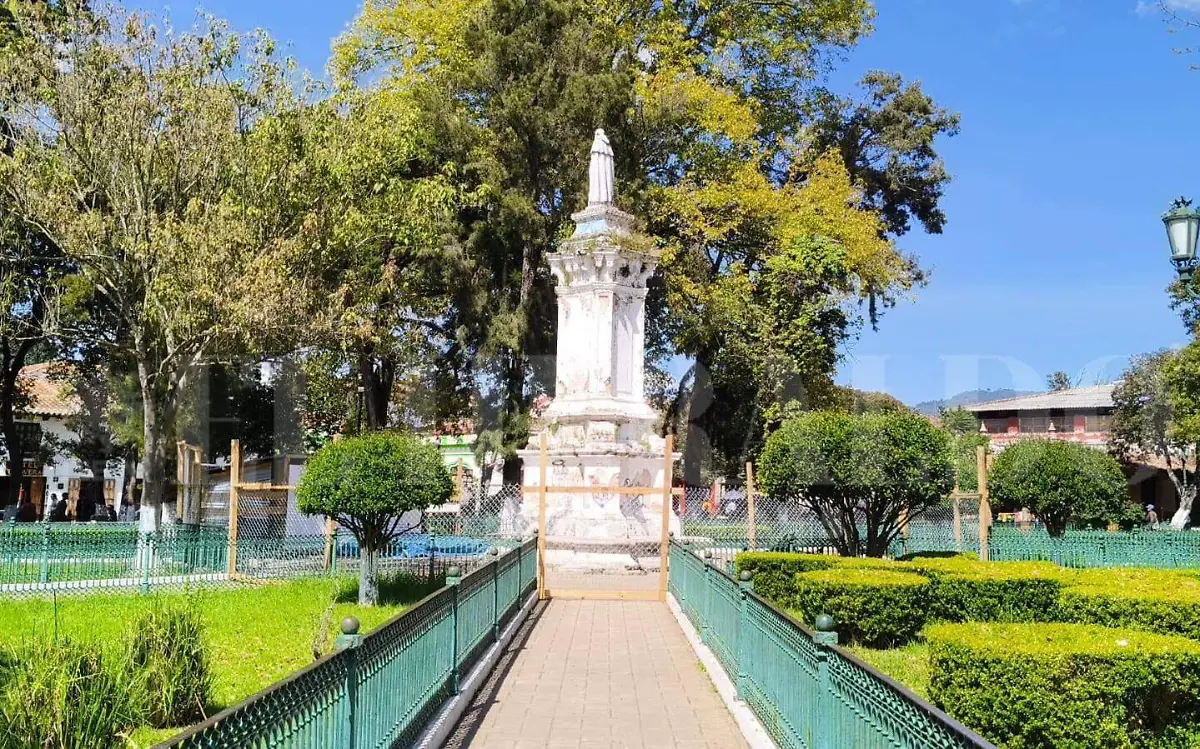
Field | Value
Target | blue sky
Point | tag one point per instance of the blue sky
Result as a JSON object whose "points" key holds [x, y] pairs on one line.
{"points": [[1078, 128]]}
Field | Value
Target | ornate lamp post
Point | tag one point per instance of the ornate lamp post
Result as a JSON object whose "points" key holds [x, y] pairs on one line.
{"points": [[1183, 230]]}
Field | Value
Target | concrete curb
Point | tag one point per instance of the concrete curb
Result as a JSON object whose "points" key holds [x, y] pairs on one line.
{"points": [[443, 724], [749, 724]]}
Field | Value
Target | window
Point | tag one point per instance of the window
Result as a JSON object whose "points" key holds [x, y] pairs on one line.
{"points": [[1098, 422], [996, 426], [1035, 424]]}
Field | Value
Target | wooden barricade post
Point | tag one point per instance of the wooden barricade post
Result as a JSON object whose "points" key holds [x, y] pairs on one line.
{"points": [[330, 534], [985, 509], [957, 523], [235, 480], [664, 551], [752, 527], [543, 459]]}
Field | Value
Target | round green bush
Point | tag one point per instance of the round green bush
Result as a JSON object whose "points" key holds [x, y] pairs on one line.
{"points": [[873, 607], [1065, 685], [842, 466], [1062, 482], [367, 483]]}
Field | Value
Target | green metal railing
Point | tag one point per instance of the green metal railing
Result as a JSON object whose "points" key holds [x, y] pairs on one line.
{"points": [[381, 690], [54, 556], [808, 694], [1086, 548]]}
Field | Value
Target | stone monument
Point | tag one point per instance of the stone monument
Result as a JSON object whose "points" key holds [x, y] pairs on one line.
{"points": [[601, 429]]}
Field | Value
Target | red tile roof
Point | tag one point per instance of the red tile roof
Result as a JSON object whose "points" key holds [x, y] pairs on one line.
{"points": [[49, 394]]}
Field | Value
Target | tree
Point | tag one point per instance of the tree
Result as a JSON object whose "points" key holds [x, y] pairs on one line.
{"points": [[32, 271], [958, 421], [1143, 424], [867, 402], [367, 484], [381, 205], [887, 142], [859, 474], [1062, 482], [141, 169], [1058, 381], [711, 109]]}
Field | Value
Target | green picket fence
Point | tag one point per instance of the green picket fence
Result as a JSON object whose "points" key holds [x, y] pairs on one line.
{"points": [[64, 557], [1163, 549], [381, 690], [808, 694]]}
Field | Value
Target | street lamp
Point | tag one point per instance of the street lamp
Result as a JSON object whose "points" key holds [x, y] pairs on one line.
{"points": [[1183, 229]]}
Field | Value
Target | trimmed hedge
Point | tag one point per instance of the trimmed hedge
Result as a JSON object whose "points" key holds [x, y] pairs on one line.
{"points": [[965, 589], [1153, 600], [1067, 685], [774, 572], [869, 606]]}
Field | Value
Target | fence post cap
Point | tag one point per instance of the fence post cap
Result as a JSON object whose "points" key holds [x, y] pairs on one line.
{"points": [[745, 576], [453, 575], [493, 552], [707, 554], [350, 625], [824, 623]]}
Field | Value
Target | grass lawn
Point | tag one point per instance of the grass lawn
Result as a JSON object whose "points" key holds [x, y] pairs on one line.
{"points": [[256, 635], [908, 665]]}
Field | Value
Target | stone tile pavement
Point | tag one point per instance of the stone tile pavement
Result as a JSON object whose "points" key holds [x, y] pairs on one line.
{"points": [[586, 674]]}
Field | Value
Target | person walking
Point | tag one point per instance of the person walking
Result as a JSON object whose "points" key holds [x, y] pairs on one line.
{"points": [[1151, 516]]}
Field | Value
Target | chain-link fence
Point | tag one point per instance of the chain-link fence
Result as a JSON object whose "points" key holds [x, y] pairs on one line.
{"points": [[950, 527]]}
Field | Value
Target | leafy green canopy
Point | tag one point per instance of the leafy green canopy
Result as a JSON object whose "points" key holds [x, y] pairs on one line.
{"points": [[1062, 482], [859, 473], [770, 229], [366, 483]]}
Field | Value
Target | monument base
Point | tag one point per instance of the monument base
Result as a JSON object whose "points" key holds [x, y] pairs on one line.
{"points": [[600, 521]]}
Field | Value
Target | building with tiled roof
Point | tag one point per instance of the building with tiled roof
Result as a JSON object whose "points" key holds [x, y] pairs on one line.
{"points": [[1082, 415], [50, 408]]}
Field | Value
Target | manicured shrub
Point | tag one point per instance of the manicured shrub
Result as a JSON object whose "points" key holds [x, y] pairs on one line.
{"points": [[858, 472], [63, 694], [1153, 600], [966, 589], [367, 484], [869, 606], [774, 572], [168, 664], [1065, 685], [1063, 482]]}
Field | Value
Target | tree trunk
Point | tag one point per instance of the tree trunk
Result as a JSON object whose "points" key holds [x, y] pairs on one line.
{"points": [[154, 454], [129, 479], [16, 465], [697, 447], [1180, 519], [377, 376], [8, 425], [368, 575]]}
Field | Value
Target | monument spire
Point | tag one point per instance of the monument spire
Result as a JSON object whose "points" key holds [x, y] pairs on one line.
{"points": [[600, 172]]}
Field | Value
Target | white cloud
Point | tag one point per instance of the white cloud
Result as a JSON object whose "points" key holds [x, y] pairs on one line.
{"points": [[1149, 7]]}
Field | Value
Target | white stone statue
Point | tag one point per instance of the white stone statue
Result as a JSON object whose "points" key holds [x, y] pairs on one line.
{"points": [[600, 171]]}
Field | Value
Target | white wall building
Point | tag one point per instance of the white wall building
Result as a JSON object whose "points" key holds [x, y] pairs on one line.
{"points": [[51, 407]]}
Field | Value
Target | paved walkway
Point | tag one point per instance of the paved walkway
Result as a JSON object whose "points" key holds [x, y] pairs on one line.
{"points": [[599, 674]]}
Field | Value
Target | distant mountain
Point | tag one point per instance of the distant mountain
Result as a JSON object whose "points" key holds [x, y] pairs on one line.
{"points": [[931, 408]]}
